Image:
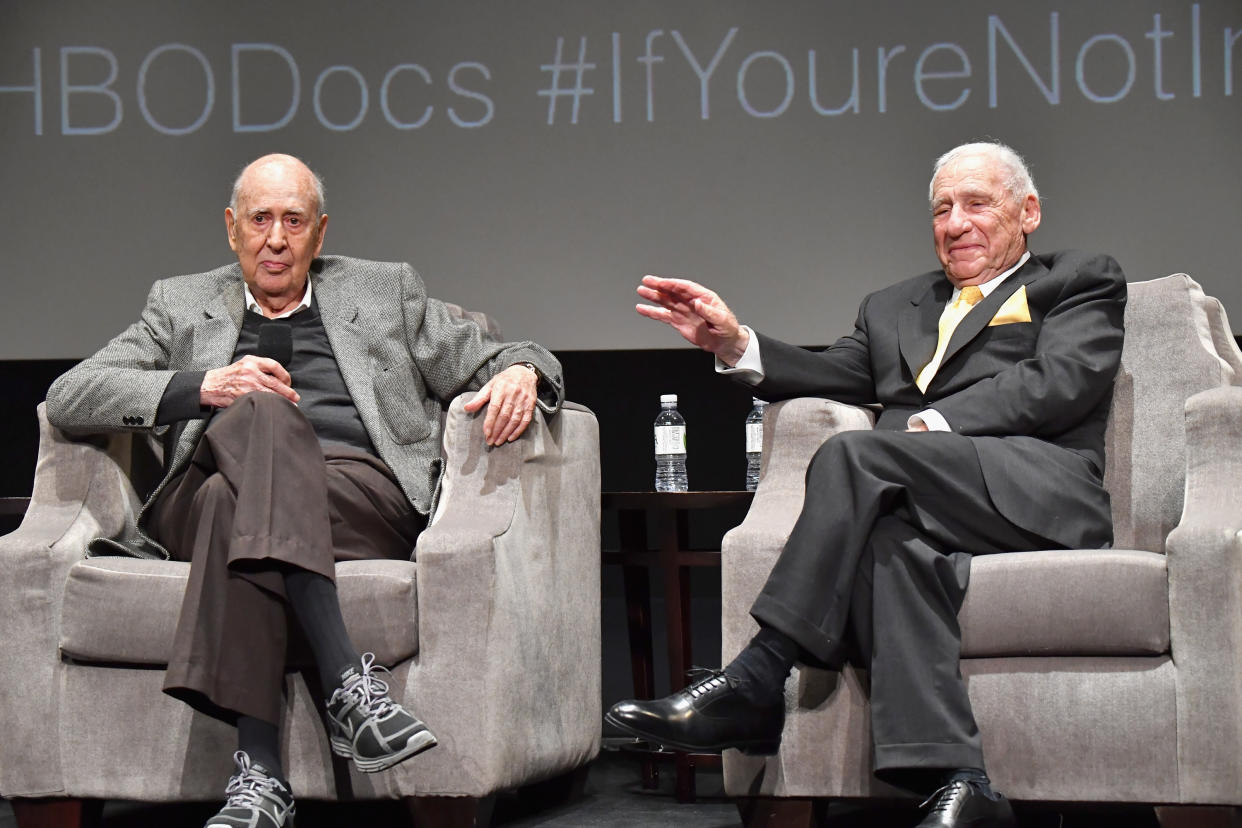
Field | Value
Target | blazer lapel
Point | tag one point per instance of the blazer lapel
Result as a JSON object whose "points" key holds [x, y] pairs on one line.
{"points": [[340, 313], [981, 314], [215, 337], [918, 325]]}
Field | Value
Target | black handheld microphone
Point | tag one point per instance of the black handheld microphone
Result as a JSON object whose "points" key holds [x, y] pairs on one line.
{"points": [[276, 342]]}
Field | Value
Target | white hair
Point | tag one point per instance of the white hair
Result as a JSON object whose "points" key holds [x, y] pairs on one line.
{"points": [[321, 204], [1018, 179]]}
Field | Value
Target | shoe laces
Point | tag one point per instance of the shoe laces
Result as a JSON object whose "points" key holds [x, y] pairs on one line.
{"points": [[944, 796], [372, 692], [705, 680], [247, 786]]}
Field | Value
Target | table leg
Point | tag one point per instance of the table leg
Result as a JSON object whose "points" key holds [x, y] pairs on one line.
{"points": [[673, 538], [685, 778], [638, 612], [632, 525], [633, 530], [683, 583], [674, 594]]}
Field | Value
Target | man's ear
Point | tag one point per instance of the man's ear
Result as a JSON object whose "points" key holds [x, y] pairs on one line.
{"points": [[320, 231], [1031, 214], [230, 227]]}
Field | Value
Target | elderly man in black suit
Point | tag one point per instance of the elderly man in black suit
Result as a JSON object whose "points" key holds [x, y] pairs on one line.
{"points": [[994, 375]]}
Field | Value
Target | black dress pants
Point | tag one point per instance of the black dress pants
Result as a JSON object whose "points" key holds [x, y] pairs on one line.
{"points": [[260, 496], [876, 568]]}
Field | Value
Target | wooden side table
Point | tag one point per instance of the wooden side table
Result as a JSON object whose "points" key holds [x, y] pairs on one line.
{"points": [[673, 557]]}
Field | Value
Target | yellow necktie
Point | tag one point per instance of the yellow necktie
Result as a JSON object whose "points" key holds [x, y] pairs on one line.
{"points": [[967, 299]]}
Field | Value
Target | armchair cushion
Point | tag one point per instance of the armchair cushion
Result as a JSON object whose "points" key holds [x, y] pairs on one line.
{"points": [[110, 604], [1066, 602]]}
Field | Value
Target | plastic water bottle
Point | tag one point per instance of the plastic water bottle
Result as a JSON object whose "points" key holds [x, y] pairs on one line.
{"points": [[670, 447], [754, 443]]}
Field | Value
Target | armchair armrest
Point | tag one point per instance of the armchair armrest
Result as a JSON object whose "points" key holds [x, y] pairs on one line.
{"points": [[793, 431], [81, 490], [508, 583], [1205, 599]]}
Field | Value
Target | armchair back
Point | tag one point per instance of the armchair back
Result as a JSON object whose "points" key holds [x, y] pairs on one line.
{"points": [[1177, 344]]}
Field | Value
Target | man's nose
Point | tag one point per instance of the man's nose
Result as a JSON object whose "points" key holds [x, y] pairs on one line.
{"points": [[959, 221], [276, 236]]}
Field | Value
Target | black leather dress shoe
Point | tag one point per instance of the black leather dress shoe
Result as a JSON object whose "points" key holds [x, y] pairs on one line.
{"points": [[961, 805], [709, 715]]}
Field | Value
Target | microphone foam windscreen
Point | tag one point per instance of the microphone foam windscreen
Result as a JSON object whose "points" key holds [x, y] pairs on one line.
{"points": [[276, 342]]}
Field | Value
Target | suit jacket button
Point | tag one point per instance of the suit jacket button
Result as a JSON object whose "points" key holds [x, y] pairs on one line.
{"points": [[137, 421]]}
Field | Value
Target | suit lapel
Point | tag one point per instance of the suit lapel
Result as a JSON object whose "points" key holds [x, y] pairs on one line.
{"points": [[981, 314], [918, 324], [215, 337], [339, 310]]}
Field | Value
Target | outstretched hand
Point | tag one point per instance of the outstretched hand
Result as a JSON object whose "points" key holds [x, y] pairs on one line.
{"points": [[696, 313], [510, 398]]}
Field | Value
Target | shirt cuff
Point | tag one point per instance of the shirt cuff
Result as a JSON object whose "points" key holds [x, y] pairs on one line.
{"points": [[749, 368], [931, 418]]}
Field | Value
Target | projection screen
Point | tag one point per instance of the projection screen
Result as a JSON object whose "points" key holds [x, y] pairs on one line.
{"points": [[534, 159]]}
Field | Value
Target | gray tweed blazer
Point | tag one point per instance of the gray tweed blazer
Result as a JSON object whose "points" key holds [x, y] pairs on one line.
{"points": [[402, 356]]}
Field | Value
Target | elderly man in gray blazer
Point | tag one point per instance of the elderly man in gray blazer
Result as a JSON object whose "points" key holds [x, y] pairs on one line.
{"points": [[299, 400]]}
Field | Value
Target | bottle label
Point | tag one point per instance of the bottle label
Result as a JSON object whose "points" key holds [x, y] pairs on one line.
{"points": [[754, 437], [670, 439]]}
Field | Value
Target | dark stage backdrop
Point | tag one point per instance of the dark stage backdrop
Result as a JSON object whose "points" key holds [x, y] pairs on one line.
{"points": [[535, 158]]}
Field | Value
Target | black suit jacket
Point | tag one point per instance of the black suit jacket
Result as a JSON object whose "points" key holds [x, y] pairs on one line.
{"points": [[1032, 396]]}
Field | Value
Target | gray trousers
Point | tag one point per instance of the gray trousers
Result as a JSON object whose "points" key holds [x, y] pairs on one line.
{"points": [[261, 496], [876, 569]]}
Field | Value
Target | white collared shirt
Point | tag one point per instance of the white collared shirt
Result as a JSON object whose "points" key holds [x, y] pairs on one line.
{"points": [[749, 368], [252, 305]]}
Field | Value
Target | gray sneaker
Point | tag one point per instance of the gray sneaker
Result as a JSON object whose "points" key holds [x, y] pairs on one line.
{"points": [[256, 799], [370, 728]]}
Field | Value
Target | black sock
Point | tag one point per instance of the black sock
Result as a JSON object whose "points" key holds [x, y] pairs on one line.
{"points": [[318, 610], [761, 668], [260, 741]]}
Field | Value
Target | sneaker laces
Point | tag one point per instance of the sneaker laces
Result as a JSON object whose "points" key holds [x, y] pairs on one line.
{"points": [[247, 786], [371, 691], [941, 799], [705, 680]]}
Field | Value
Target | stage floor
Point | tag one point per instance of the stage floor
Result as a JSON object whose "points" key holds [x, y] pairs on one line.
{"points": [[613, 799]]}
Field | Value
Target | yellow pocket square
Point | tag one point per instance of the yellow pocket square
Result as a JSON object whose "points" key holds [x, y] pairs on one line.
{"points": [[1014, 309]]}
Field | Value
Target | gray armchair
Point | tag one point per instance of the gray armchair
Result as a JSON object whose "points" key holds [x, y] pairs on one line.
{"points": [[492, 631], [1095, 675]]}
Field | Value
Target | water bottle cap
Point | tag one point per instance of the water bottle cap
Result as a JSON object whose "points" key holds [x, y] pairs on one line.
{"points": [[758, 401], [668, 398]]}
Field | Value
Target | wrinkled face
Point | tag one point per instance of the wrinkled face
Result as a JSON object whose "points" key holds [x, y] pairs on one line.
{"points": [[276, 232], [979, 228]]}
